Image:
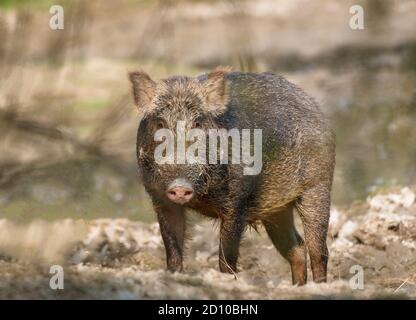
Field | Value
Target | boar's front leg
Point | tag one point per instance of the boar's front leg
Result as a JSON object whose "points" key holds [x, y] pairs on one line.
{"points": [[172, 227], [232, 228]]}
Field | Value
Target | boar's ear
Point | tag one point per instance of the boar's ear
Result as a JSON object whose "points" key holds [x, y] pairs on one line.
{"points": [[216, 90], [143, 88]]}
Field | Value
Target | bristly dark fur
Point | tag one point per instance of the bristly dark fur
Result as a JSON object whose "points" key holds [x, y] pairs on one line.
{"points": [[298, 164]]}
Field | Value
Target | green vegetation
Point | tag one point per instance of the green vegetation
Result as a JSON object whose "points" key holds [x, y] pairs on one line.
{"points": [[31, 4], [92, 105], [97, 206]]}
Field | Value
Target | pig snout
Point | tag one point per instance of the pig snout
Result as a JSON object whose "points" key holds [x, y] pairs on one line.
{"points": [[180, 191]]}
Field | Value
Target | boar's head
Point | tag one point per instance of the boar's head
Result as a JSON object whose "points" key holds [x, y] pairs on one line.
{"points": [[196, 103]]}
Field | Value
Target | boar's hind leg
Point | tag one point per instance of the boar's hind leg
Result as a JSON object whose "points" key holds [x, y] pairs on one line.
{"points": [[281, 230], [172, 227], [313, 207]]}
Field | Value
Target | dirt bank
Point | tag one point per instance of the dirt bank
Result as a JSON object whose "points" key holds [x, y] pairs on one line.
{"points": [[119, 258]]}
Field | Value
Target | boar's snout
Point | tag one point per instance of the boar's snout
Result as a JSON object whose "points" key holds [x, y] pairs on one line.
{"points": [[180, 191]]}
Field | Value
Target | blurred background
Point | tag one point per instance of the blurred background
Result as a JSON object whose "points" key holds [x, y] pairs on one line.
{"points": [[68, 124]]}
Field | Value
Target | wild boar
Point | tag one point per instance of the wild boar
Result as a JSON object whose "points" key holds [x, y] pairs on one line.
{"points": [[297, 152]]}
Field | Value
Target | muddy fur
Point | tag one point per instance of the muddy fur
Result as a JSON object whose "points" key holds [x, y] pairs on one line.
{"points": [[298, 152]]}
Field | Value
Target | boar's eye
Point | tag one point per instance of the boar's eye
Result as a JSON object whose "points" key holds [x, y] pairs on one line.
{"points": [[160, 125], [197, 124]]}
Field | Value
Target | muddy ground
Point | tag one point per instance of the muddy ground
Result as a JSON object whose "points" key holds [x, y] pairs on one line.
{"points": [[124, 259]]}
